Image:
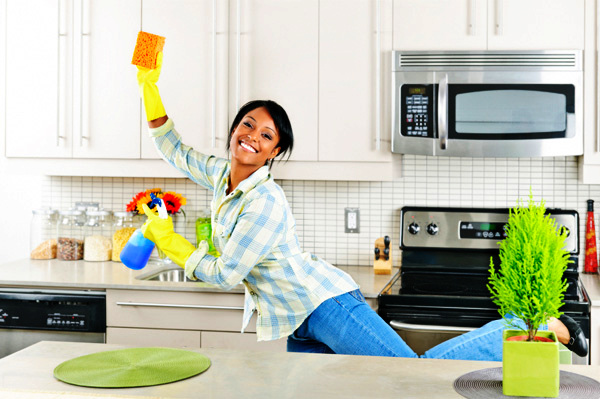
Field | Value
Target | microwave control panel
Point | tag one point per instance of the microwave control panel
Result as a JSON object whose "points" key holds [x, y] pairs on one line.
{"points": [[417, 110]]}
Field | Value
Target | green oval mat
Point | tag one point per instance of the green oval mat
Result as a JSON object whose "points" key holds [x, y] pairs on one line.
{"points": [[131, 367]]}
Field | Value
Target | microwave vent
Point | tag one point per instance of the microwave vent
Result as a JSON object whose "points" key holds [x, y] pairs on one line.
{"points": [[570, 60]]}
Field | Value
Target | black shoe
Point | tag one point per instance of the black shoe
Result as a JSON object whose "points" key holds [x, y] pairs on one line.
{"points": [[577, 342]]}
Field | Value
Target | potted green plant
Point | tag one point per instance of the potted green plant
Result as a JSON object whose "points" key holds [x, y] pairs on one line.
{"points": [[530, 286]]}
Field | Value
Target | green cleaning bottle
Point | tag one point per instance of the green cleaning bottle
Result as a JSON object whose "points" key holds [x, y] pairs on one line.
{"points": [[204, 231]]}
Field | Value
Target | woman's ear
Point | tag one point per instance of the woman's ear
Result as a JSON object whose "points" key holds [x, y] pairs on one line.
{"points": [[275, 152]]}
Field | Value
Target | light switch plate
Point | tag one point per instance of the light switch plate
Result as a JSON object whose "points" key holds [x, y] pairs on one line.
{"points": [[352, 220]]}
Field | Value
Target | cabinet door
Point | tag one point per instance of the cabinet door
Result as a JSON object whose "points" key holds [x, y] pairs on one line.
{"points": [[440, 25], [274, 56], [536, 24], [38, 48], [352, 78], [244, 342], [106, 101], [190, 69], [153, 337]]}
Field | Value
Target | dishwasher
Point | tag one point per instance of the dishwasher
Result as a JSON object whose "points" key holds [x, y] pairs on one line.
{"points": [[29, 315]]}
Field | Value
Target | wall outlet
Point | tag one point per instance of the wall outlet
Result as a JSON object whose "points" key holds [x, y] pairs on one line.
{"points": [[352, 220]]}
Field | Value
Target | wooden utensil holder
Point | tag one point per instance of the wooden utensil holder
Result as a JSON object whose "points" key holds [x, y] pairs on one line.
{"points": [[382, 262]]}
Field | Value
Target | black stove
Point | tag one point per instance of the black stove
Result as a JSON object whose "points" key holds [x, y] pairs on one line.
{"points": [[445, 267]]}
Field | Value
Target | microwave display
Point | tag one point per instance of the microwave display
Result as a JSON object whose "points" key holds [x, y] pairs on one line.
{"points": [[417, 109]]}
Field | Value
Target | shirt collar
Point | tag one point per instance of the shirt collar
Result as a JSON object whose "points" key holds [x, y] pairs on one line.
{"points": [[254, 179]]}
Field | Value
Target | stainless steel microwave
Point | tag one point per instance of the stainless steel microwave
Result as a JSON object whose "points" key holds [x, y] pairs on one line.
{"points": [[487, 103]]}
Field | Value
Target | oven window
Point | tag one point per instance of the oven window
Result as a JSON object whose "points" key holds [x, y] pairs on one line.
{"points": [[509, 111]]}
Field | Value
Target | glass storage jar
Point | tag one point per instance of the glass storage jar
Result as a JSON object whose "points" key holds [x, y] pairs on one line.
{"points": [[124, 224], [42, 233], [98, 228], [70, 235]]}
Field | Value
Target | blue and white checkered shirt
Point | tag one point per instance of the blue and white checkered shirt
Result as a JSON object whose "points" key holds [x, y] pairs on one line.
{"points": [[255, 233]]}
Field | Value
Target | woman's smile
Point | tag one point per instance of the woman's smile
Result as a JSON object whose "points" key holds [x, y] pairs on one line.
{"points": [[255, 140]]}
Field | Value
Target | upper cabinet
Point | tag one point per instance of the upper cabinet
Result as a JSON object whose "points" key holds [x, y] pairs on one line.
{"points": [[488, 25], [354, 80], [69, 89], [274, 50], [193, 81]]}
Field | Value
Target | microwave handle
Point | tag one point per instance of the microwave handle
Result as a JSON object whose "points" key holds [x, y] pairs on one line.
{"points": [[442, 113]]}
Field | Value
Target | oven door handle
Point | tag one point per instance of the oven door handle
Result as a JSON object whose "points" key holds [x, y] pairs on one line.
{"points": [[398, 325], [442, 112]]}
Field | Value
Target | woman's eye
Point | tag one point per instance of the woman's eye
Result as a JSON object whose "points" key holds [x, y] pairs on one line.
{"points": [[267, 136], [247, 124]]}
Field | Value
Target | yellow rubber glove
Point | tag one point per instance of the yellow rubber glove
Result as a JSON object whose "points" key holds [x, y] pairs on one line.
{"points": [[160, 231], [147, 79]]}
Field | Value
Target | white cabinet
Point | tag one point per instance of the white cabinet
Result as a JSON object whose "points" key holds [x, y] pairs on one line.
{"points": [[193, 81], [589, 164], [275, 56], [354, 119], [488, 24], [70, 91]]}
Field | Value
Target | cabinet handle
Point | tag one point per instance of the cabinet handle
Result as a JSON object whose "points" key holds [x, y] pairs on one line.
{"points": [[62, 42], [238, 62], [472, 17], [83, 70], [443, 112], [378, 79], [172, 305], [397, 325], [499, 17], [214, 73]]}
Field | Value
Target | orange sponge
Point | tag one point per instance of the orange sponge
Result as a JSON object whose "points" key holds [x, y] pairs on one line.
{"points": [[147, 47]]}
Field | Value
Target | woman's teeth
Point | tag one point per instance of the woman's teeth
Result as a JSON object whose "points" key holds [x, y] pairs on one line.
{"points": [[247, 147]]}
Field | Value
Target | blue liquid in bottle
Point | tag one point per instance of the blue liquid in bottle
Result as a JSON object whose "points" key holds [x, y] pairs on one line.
{"points": [[137, 251]]}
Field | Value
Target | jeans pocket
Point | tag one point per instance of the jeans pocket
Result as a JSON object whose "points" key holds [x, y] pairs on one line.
{"points": [[357, 295]]}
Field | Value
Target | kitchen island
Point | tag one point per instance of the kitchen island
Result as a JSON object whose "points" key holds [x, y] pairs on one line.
{"points": [[232, 374]]}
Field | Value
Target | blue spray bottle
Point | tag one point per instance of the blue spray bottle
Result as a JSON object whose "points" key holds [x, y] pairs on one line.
{"points": [[137, 251]]}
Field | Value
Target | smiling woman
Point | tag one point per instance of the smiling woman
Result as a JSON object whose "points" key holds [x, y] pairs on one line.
{"points": [[295, 294]]}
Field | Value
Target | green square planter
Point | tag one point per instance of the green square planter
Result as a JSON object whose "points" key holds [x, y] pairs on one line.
{"points": [[530, 368]]}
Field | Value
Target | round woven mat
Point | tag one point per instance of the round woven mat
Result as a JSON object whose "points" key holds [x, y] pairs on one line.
{"points": [[132, 367], [487, 384]]}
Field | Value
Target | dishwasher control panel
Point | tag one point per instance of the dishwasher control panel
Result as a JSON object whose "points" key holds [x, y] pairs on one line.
{"points": [[53, 310]]}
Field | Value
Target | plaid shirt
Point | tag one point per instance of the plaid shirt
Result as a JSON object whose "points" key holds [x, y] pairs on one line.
{"points": [[255, 233]]}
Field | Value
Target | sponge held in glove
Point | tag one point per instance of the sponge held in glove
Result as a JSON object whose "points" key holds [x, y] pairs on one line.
{"points": [[146, 49]]}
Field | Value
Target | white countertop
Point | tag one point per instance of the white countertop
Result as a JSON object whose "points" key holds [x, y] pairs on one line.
{"points": [[232, 374], [102, 275]]}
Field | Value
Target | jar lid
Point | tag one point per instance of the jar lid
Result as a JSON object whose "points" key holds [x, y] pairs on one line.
{"points": [[71, 212], [44, 211], [123, 214], [99, 212]]}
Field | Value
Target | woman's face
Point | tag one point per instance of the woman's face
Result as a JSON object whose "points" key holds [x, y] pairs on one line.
{"points": [[254, 141]]}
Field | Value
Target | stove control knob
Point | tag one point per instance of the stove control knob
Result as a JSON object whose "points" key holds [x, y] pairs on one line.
{"points": [[432, 229], [413, 228]]}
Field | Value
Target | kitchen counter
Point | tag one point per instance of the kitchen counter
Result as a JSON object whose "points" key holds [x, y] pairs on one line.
{"points": [[29, 373], [81, 275]]}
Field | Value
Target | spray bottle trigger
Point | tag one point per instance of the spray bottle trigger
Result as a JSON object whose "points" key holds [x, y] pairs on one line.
{"points": [[160, 205]]}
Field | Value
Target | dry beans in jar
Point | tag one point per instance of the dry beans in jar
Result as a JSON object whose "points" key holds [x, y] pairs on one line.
{"points": [[69, 248]]}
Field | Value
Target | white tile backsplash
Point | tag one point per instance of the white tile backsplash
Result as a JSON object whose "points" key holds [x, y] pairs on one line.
{"points": [[318, 206]]}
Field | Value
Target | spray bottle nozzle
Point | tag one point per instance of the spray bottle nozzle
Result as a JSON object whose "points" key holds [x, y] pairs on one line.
{"points": [[160, 205]]}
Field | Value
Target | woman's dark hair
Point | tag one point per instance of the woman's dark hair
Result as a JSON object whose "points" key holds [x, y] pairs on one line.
{"points": [[280, 118]]}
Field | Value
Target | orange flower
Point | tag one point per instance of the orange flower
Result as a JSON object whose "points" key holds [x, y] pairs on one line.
{"points": [[173, 201]]}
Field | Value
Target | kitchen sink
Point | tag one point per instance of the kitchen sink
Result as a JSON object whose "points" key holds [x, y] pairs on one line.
{"points": [[171, 273]]}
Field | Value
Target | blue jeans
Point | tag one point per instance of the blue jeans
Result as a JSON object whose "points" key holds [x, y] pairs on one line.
{"points": [[347, 325]]}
